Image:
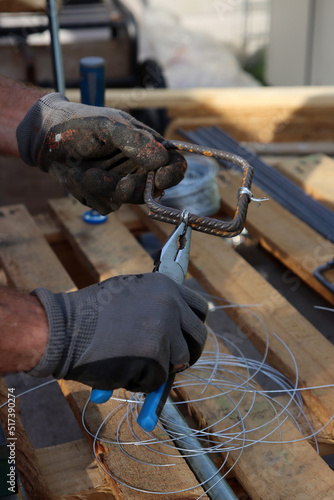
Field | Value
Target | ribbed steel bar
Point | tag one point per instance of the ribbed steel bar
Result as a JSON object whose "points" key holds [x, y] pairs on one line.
{"points": [[226, 229]]}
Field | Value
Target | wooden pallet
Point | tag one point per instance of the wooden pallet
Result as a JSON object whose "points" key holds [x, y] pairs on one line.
{"points": [[44, 252]]}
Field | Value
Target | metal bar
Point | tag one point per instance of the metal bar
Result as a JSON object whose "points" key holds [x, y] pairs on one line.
{"points": [[56, 48], [206, 472], [200, 223], [288, 194], [318, 273], [281, 184], [290, 148], [280, 188], [274, 183]]}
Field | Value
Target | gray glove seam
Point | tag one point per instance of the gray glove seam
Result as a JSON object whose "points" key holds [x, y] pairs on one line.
{"points": [[57, 334], [70, 331]]}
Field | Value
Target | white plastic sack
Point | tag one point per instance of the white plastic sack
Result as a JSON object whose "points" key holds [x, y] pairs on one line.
{"points": [[188, 58]]}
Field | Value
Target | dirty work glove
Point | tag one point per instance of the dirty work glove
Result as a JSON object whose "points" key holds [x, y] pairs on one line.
{"points": [[100, 155], [128, 331]]}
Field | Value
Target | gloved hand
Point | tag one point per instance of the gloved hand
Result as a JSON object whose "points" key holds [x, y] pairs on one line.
{"points": [[100, 155], [128, 331]]}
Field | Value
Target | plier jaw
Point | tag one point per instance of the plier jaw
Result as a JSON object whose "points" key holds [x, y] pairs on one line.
{"points": [[174, 256], [174, 259]]}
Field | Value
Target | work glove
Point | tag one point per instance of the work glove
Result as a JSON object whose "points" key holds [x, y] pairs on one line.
{"points": [[129, 331], [100, 155]]}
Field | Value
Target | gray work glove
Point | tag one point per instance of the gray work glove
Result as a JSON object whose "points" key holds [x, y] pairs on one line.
{"points": [[128, 331], [100, 155]]}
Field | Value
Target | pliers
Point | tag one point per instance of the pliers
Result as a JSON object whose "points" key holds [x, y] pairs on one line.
{"points": [[174, 255], [173, 262]]}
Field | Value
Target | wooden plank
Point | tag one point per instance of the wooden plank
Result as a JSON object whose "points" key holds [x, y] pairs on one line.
{"points": [[32, 261], [24, 243], [259, 114], [52, 232], [223, 273], [100, 493], [317, 97], [74, 463], [298, 466], [164, 478], [259, 478], [250, 479], [289, 239], [274, 126], [324, 478], [314, 173], [302, 472], [106, 249], [34, 483]]}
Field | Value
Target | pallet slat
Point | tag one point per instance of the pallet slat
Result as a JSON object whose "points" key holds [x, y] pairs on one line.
{"points": [[211, 261], [23, 268], [74, 463], [302, 472], [25, 243], [119, 253], [319, 98], [289, 239], [114, 460], [313, 173], [223, 273], [259, 114], [106, 249], [325, 480]]}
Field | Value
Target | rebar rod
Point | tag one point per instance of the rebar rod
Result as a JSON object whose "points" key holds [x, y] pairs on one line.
{"points": [[206, 472], [57, 60]]}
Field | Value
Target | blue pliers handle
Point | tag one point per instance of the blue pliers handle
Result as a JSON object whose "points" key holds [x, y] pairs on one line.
{"points": [[173, 262]]}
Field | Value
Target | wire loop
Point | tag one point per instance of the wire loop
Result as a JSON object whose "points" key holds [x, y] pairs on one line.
{"points": [[244, 190]]}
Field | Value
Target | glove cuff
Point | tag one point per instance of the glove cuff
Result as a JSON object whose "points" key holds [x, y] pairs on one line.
{"points": [[72, 319], [57, 333], [33, 128]]}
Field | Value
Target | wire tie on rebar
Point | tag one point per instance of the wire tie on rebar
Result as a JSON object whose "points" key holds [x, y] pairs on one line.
{"points": [[185, 217], [244, 190]]}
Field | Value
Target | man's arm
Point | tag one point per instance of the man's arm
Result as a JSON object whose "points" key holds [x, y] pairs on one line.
{"points": [[15, 101], [24, 331]]}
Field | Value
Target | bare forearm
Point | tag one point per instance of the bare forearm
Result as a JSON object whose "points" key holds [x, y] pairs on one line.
{"points": [[23, 331], [15, 101]]}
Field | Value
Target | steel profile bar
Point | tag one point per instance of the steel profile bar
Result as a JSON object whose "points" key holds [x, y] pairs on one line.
{"points": [[207, 474]]}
